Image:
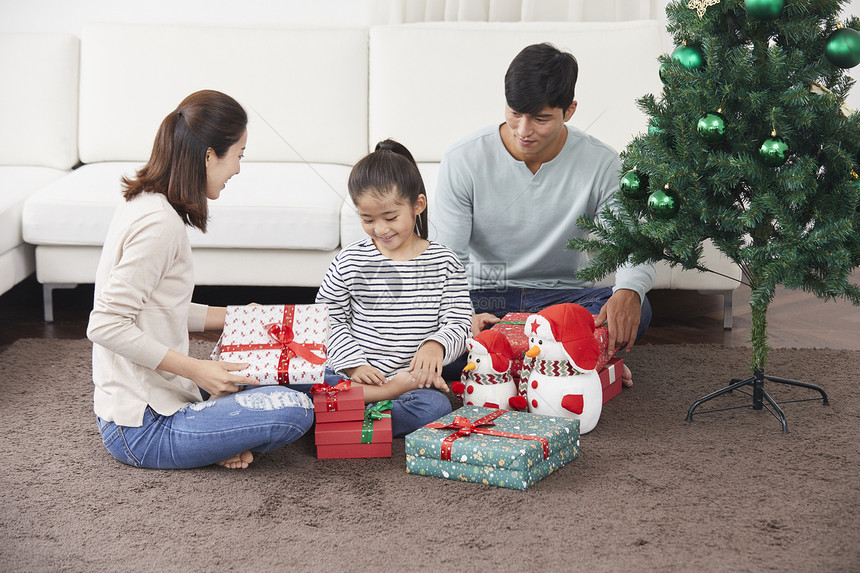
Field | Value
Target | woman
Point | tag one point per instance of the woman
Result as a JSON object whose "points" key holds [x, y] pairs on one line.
{"points": [[148, 400]]}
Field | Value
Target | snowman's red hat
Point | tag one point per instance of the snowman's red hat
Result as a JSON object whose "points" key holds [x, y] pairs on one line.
{"points": [[498, 347], [573, 327]]}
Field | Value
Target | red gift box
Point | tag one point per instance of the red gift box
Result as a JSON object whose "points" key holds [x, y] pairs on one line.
{"points": [[340, 403], [369, 437], [512, 325], [610, 378]]}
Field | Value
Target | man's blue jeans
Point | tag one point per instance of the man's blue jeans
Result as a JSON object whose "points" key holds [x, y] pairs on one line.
{"points": [[410, 410], [259, 419], [500, 302]]}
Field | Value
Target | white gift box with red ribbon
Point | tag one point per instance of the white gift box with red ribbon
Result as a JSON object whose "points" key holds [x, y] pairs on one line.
{"points": [[283, 344]]}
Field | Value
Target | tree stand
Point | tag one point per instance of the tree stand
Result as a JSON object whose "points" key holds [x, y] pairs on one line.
{"points": [[759, 396]]}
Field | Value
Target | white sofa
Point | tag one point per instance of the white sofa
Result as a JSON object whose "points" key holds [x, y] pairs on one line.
{"points": [[38, 124], [318, 100]]}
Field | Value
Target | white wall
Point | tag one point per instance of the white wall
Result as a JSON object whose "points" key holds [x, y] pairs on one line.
{"points": [[70, 16]]}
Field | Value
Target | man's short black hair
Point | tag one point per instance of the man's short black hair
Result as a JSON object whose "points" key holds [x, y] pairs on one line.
{"points": [[541, 75]]}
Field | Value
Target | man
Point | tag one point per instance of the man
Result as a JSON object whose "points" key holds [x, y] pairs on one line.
{"points": [[509, 196]]}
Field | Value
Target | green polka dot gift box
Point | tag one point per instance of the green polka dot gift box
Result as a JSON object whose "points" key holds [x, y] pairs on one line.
{"points": [[493, 447]]}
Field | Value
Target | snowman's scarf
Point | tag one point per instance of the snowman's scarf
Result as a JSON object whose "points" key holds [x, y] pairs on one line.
{"points": [[551, 367], [485, 379]]}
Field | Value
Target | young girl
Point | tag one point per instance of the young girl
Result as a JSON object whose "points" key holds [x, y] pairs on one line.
{"points": [[398, 304], [148, 402]]}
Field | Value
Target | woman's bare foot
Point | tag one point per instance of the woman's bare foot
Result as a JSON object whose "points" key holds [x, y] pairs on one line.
{"points": [[626, 377], [239, 461]]}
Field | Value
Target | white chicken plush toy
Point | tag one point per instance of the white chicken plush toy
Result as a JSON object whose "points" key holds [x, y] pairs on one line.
{"points": [[563, 380], [486, 380]]}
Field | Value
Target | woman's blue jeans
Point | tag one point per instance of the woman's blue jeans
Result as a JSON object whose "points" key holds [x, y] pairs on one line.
{"points": [[410, 410], [259, 419]]}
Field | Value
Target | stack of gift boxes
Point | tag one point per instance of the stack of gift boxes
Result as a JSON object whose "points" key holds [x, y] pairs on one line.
{"points": [[345, 428]]}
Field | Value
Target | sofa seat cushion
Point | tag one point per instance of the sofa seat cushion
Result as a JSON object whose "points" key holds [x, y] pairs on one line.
{"points": [[16, 184], [266, 206]]}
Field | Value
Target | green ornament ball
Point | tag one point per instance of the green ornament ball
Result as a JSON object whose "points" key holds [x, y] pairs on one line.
{"points": [[663, 73], [634, 184], [653, 128], [774, 152], [843, 48], [712, 127], [689, 56], [764, 9], [664, 203]]}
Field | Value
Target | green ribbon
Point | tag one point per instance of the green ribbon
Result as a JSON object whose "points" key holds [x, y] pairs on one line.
{"points": [[371, 414], [511, 322]]}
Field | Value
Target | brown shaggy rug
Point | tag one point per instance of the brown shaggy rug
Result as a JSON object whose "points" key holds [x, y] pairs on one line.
{"points": [[650, 491]]}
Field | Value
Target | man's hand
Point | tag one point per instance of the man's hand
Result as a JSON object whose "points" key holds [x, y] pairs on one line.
{"points": [[622, 313], [482, 321]]}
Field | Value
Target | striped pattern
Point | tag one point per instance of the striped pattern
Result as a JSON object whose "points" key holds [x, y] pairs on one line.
{"points": [[381, 311], [486, 379], [555, 368]]}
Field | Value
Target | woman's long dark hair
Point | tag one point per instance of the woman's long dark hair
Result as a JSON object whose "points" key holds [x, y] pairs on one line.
{"points": [[390, 168], [177, 166]]}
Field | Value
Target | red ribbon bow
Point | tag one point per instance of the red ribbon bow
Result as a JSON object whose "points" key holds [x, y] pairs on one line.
{"points": [[331, 393], [282, 334], [466, 427]]}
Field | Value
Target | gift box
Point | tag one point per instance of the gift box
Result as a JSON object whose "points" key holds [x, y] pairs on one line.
{"points": [[610, 378], [284, 344], [369, 437], [340, 403], [495, 447]]}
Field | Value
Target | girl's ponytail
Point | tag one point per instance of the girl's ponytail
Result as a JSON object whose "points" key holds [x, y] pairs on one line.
{"points": [[390, 167]]}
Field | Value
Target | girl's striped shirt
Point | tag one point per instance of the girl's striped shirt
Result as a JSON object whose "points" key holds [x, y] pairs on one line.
{"points": [[382, 310]]}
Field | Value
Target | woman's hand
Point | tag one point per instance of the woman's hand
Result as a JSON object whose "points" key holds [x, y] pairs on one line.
{"points": [[216, 378], [213, 376]]}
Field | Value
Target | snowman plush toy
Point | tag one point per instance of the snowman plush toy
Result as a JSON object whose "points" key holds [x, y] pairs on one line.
{"points": [[486, 379], [564, 354]]}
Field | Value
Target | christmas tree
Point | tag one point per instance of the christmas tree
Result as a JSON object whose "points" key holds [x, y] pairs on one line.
{"points": [[749, 145]]}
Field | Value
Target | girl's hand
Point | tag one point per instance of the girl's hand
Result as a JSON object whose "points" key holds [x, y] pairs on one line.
{"points": [[403, 382], [366, 374], [426, 365], [216, 378]]}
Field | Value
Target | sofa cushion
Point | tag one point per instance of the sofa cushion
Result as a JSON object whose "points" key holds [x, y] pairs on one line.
{"points": [[266, 206], [307, 84], [454, 75], [39, 100], [16, 184]]}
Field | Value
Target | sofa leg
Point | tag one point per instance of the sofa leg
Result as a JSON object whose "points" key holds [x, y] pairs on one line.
{"points": [[727, 310], [48, 297], [727, 306]]}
